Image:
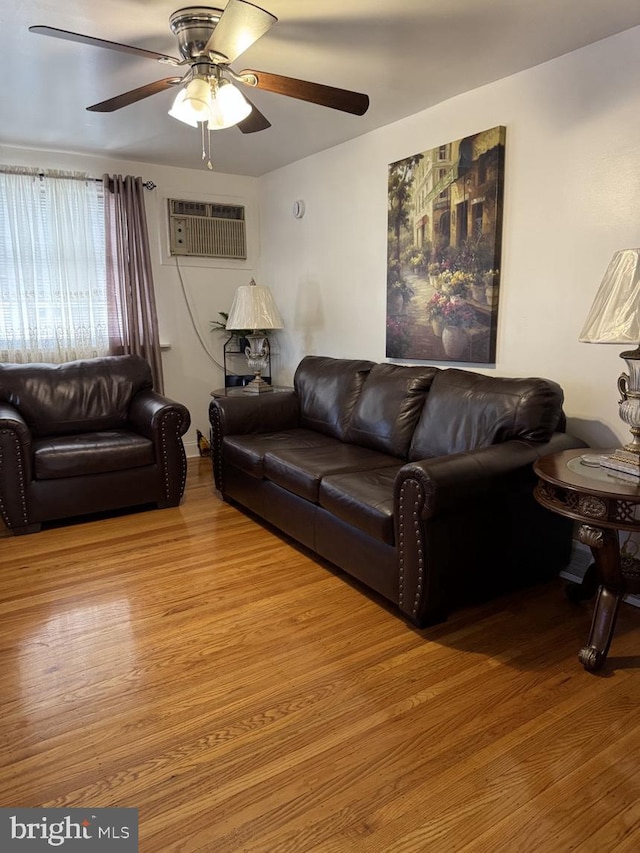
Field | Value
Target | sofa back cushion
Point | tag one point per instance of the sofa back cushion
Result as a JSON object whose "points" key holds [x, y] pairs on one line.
{"points": [[77, 396], [389, 406], [328, 389], [467, 410]]}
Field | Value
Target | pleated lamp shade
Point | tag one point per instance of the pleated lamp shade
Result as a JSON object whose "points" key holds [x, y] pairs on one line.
{"points": [[254, 308], [614, 317]]}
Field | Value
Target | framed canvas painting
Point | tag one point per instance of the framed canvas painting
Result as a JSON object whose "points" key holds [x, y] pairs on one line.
{"points": [[443, 251]]}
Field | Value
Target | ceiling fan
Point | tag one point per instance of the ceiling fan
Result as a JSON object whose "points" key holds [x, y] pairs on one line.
{"points": [[209, 40]]}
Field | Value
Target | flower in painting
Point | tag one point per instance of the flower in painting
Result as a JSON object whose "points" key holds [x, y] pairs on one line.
{"points": [[457, 313], [435, 306], [397, 336]]}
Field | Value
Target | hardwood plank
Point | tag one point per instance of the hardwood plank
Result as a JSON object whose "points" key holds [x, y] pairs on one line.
{"points": [[244, 696]]}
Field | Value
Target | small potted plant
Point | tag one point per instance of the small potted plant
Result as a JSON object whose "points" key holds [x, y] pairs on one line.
{"points": [[240, 334]]}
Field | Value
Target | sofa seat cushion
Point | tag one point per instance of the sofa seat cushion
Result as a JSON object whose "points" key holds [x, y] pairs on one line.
{"points": [[301, 470], [363, 500], [90, 453], [247, 452]]}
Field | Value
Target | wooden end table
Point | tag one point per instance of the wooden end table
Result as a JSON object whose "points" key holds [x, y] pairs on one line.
{"points": [[603, 504], [238, 391]]}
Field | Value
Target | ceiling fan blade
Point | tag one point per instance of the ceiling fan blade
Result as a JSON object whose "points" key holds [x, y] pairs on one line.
{"points": [[134, 95], [255, 121], [240, 25], [316, 93], [111, 45]]}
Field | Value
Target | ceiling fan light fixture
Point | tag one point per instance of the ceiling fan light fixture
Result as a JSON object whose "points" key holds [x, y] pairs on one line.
{"points": [[181, 110], [230, 105], [193, 103], [198, 97]]}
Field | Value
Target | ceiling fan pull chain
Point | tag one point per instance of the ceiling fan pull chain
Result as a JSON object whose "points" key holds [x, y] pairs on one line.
{"points": [[206, 156], [209, 163]]}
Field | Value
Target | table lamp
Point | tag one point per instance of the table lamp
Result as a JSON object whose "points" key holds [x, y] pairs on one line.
{"points": [[614, 318], [255, 308]]}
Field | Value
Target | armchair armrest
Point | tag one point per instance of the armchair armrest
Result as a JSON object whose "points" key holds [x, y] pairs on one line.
{"points": [[149, 410], [259, 413], [164, 422], [468, 506], [11, 419], [16, 467]]}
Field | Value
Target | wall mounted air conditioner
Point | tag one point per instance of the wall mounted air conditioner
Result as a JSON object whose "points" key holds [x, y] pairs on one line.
{"points": [[207, 230]]}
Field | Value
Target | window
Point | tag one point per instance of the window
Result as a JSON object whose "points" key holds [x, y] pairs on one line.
{"points": [[53, 288]]}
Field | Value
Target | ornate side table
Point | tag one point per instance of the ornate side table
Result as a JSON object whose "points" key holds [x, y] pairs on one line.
{"points": [[603, 503]]}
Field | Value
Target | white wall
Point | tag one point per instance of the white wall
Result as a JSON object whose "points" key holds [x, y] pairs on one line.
{"points": [[572, 197], [209, 285]]}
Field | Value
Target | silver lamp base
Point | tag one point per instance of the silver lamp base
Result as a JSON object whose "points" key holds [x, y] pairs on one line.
{"points": [[627, 458], [257, 386], [257, 358]]}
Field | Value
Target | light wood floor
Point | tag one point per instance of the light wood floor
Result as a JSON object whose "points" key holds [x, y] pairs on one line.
{"points": [[193, 664]]}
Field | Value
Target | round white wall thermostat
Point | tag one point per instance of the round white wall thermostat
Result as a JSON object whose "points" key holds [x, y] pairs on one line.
{"points": [[298, 209]]}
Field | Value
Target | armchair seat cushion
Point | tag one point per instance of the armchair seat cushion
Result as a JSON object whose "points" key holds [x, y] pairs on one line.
{"points": [[90, 453], [301, 471], [363, 500]]}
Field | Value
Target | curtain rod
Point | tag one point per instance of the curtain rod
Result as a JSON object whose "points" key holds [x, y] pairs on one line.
{"points": [[148, 185]]}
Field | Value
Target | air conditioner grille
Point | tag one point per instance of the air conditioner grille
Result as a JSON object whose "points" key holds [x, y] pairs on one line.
{"points": [[207, 230]]}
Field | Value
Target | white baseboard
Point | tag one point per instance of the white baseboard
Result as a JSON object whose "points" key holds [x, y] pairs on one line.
{"points": [[581, 559]]}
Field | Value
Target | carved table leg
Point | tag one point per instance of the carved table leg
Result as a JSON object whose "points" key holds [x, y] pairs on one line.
{"points": [[606, 554], [593, 655]]}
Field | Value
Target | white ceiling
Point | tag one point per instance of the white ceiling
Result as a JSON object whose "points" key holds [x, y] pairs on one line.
{"points": [[406, 55]]}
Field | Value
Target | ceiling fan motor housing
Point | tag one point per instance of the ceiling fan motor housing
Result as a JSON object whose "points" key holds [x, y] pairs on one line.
{"points": [[192, 27]]}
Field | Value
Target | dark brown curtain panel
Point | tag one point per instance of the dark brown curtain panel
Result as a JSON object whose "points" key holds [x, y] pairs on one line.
{"points": [[133, 320]]}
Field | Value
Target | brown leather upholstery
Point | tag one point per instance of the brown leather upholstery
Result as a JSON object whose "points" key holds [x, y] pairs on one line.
{"points": [[417, 481], [388, 407], [470, 410], [328, 389], [86, 436]]}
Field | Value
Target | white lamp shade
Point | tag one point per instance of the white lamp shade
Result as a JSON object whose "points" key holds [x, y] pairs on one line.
{"points": [[229, 108], [181, 111], [254, 308], [193, 103], [614, 317]]}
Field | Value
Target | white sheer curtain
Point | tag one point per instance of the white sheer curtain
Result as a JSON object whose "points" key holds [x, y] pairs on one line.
{"points": [[53, 290]]}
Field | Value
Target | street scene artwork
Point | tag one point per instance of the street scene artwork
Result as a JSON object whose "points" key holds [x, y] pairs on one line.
{"points": [[444, 251]]}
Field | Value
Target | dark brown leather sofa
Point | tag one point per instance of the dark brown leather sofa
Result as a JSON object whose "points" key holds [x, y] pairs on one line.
{"points": [[415, 480], [84, 437]]}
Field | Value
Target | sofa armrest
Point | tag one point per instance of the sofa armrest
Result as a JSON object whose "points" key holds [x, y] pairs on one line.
{"points": [[16, 468], [447, 480], [474, 488], [257, 413]]}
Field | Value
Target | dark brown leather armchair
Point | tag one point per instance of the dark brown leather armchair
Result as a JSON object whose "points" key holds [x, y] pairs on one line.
{"points": [[84, 437]]}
